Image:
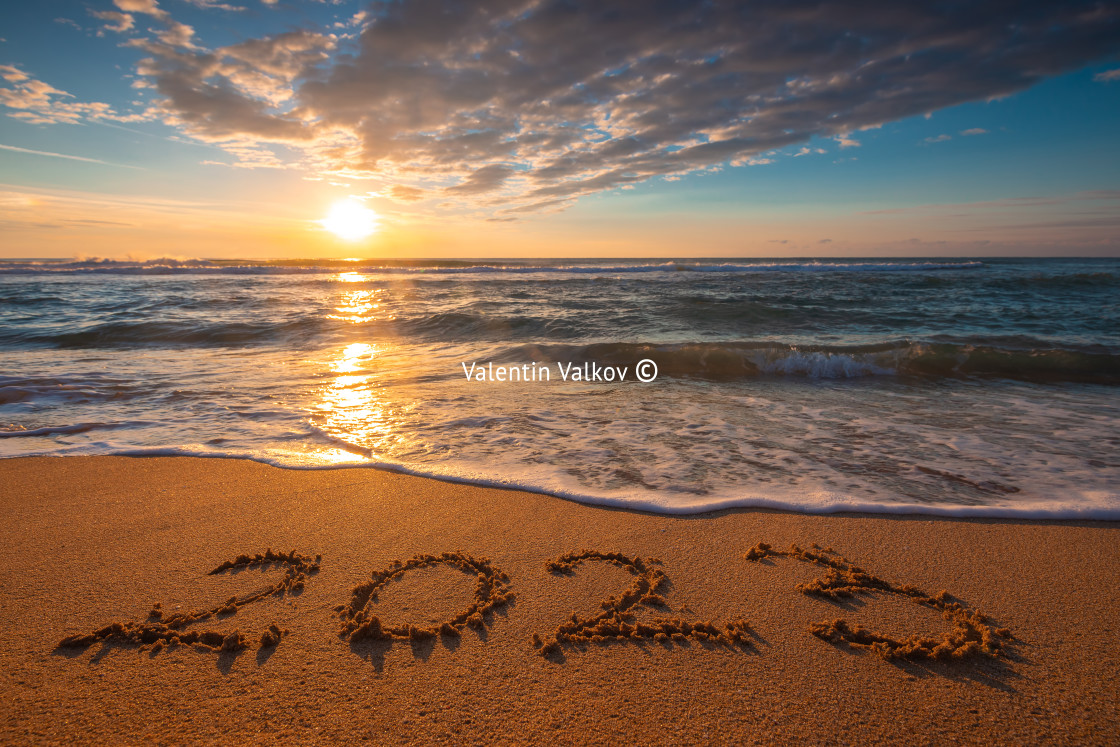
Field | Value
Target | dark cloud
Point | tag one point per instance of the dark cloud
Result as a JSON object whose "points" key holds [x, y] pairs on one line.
{"points": [[485, 179], [237, 93], [530, 104]]}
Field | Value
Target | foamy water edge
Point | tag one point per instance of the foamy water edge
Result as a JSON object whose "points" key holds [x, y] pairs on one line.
{"points": [[1043, 511]]}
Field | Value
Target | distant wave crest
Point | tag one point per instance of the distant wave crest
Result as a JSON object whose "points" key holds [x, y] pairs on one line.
{"points": [[173, 266]]}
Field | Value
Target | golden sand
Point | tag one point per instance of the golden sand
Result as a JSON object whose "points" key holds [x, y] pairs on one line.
{"points": [[414, 611]]}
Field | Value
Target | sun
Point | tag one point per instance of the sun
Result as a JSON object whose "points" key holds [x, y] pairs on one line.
{"points": [[350, 220]]}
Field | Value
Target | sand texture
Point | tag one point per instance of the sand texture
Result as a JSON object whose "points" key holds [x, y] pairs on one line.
{"points": [[220, 601]]}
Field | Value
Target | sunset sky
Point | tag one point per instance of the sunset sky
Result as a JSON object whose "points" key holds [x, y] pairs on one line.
{"points": [[199, 128]]}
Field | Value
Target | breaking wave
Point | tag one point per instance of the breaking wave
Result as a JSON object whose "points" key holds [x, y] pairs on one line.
{"points": [[725, 361]]}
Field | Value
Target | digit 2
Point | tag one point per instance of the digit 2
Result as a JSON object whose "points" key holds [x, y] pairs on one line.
{"points": [[617, 620], [161, 630]]}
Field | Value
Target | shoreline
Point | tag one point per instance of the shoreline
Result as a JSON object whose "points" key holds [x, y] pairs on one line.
{"points": [[1105, 514], [96, 540]]}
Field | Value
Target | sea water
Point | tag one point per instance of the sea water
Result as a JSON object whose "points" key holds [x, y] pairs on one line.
{"points": [[980, 387]]}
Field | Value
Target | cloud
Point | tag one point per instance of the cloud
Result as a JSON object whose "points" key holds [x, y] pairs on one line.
{"points": [[485, 179], [403, 193], [512, 106], [151, 7], [38, 102], [1107, 76], [119, 22], [12, 74], [173, 33], [176, 34], [214, 5], [938, 138], [974, 131], [240, 94], [586, 96]]}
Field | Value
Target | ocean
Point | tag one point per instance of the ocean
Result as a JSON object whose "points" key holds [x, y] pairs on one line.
{"points": [[975, 387]]}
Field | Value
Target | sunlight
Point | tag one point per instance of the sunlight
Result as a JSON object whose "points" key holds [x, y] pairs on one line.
{"points": [[358, 306], [353, 410], [350, 220], [350, 359]]}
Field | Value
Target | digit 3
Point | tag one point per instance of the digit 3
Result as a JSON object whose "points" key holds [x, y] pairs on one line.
{"points": [[491, 590], [972, 633], [617, 621], [161, 630]]}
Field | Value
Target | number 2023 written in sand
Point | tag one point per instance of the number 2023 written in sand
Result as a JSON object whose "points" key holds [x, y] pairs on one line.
{"points": [[972, 633]]}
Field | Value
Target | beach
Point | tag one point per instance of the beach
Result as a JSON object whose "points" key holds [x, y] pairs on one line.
{"points": [[559, 373], [101, 539]]}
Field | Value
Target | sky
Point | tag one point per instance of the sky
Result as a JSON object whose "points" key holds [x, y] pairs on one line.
{"points": [[522, 128]]}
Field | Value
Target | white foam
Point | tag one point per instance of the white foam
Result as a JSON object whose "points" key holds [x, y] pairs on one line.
{"points": [[818, 365], [1097, 505]]}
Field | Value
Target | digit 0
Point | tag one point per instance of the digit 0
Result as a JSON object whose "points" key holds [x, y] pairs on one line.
{"points": [[491, 591]]}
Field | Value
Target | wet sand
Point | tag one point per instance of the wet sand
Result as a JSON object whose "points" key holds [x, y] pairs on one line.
{"points": [[444, 613]]}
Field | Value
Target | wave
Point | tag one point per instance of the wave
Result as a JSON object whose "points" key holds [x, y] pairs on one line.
{"points": [[59, 430], [172, 334], [1102, 508], [64, 389], [14, 300], [300, 332], [1059, 281], [458, 326], [173, 266], [725, 361]]}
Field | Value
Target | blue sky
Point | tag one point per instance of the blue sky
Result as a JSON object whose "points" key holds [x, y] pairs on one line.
{"points": [[488, 129]]}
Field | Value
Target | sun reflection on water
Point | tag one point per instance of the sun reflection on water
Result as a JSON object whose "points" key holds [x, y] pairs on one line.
{"points": [[359, 305], [353, 410]]}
